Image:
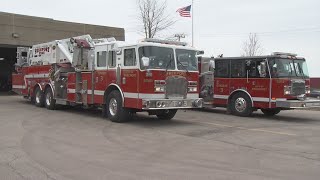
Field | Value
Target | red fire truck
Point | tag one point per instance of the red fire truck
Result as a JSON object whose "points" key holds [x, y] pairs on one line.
{"points": [[244, 84], [156, 76]]}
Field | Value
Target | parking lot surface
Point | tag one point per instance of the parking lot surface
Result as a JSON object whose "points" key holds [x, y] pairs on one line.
{"points": [[73, 143]]}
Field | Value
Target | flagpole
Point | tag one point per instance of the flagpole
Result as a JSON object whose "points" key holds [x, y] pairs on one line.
{"points": [[192, 23]]}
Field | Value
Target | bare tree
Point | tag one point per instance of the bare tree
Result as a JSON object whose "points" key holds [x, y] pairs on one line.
{"points": [[252, 46], [153, 15]]}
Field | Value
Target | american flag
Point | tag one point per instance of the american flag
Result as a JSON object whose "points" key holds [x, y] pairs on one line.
{"points": [[185, 11]]}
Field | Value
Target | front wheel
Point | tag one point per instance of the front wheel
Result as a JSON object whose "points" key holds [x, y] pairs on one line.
{"points": [[271, 112], [241, 105], [167, 114], [50, 102], [114, 109]]}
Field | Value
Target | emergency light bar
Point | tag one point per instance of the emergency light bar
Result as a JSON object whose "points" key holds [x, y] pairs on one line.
{"points": [[282, 53], [103, 40], [165, 42]]}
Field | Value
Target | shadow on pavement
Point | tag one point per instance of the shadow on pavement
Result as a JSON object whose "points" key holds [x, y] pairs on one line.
{"points": [[7, 93], [260, 116], [287, 118]]}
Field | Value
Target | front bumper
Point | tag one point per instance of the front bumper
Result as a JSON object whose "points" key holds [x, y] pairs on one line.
{"points": [[295, 104], [155, 104]]}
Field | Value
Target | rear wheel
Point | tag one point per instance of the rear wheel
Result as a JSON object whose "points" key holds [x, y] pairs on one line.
{"points": [[271, 112], [38, 97], [167, 114], [50, 102], [241, 105], [114, 108]]}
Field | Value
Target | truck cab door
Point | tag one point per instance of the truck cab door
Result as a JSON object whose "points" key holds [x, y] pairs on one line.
{"points": [[130, 77]]}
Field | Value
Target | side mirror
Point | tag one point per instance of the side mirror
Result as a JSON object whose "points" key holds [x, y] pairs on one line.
{"points": [[212, 65], [118, 51], [263, 69], [145, 61], [248, 65]]}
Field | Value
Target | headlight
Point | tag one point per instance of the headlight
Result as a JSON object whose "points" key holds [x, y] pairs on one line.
{"points": [[192, 89], [193, 83], [287, 90], [159, 89], [160, 104], [308, 91]]}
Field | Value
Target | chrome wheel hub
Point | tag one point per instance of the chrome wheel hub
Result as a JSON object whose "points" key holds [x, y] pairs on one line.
{"points": [[38, 97], [113, 106], [240, 104], [48, 99]]}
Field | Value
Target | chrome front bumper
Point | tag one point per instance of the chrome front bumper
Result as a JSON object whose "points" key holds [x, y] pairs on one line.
{"points": [[154, 104], [295, 104]]}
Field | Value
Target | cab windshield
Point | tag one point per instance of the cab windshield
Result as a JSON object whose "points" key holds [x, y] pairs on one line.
{"points": [[159, 57], [288, 68]]}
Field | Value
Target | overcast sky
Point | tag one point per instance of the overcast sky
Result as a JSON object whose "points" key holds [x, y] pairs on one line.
{"points": [[221, 27]]}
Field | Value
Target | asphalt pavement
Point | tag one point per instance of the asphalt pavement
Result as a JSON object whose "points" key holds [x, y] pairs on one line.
{"points": [[78, 144]]}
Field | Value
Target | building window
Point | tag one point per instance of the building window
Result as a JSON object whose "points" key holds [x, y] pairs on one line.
{"points": [[130, 57]]}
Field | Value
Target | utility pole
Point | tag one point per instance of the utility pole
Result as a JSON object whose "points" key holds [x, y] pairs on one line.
{"points": [[180, 36]]}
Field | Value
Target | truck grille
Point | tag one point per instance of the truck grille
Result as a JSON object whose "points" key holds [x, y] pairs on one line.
{"points": [[176, 87], [298, 87]]}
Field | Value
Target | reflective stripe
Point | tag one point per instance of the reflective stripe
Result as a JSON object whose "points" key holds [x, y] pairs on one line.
{"points": [[260, 99], [96, 92], [280, 99], [71, 90], [18, 86], [256, 99], [37, 76], [221, 96], [135, 95], [130, 95]]}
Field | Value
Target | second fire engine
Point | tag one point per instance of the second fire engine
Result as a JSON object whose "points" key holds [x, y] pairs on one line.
{"points": [[244, 84]]}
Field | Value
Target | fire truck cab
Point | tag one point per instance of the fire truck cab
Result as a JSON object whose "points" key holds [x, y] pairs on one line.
{"points": [[156, 76], [244, 84]]}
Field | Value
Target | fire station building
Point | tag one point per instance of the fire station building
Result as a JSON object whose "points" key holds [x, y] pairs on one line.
{"points": [[20, 30]]}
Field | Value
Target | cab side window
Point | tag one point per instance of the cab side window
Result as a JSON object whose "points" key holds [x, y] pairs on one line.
{"points": [[130, 57], [222, 68], [254, 68], [238, 69], [102, 59], [112, 59]]}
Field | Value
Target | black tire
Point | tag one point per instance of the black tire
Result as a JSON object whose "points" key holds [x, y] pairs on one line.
{"points": [[38, 97], [49, 102], [241, 105], [167, 114], [114, 109], [271, 112]]}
